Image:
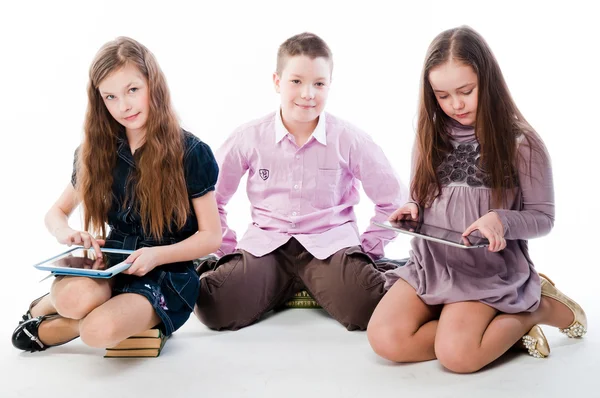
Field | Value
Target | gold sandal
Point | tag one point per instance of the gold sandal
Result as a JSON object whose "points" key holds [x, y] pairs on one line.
{"points": [[579, 326], [535, 343]]}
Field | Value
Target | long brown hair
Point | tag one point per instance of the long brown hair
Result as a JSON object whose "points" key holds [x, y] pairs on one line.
{"points": [[498, 121], [160, 191]]}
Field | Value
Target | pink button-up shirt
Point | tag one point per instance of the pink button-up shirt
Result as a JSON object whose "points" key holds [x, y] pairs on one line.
{"points": [[306, 192]]}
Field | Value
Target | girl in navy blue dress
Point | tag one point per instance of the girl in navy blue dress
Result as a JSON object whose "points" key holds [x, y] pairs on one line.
{"points": [[151, 183]]}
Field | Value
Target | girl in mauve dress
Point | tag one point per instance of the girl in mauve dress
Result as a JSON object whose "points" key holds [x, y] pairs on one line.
{"points": [[478, 167]]}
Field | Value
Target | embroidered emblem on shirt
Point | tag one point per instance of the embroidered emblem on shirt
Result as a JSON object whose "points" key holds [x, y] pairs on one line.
{"points": [[263, 173]]}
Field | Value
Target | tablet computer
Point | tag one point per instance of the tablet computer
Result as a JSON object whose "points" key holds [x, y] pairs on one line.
{"points": [[80, 261], [435, 234]]}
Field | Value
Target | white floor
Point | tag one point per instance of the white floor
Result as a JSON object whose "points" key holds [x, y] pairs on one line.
{"points": [[293, 353]]}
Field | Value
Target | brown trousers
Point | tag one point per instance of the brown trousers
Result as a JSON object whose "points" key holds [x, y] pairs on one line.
{"points": [[242, 287]]}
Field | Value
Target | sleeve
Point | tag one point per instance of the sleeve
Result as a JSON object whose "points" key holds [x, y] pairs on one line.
{"points": [[233, 166], [201, 170], [382, 186], [536, 217]]}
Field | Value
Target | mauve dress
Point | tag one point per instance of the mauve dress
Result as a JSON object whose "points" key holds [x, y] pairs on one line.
{"points": [[505, 280]]}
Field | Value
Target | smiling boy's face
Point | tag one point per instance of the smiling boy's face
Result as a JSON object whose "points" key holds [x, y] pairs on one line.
{"points": [[304, 86]]}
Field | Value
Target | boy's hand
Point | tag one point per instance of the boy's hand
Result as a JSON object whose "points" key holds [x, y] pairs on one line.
{"points": [[410, 211], [491, 228]]}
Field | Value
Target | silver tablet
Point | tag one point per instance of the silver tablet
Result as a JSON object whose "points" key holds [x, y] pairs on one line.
{"points": [[435, 234]]}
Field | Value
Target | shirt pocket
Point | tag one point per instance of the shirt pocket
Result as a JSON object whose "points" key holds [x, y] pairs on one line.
{"points": [[327, 188]]}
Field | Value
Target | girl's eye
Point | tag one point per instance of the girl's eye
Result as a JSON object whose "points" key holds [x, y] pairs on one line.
{"points": [[296, 81], [110, 96]]}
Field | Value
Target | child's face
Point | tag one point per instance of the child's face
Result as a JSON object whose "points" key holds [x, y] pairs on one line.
{"points": [[303, 86], [125, 94], [455, 87]]}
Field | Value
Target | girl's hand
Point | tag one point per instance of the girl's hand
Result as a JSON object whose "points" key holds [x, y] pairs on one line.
{"points": [[491, 228], [408, 211], [143, 261], [68, 236]]}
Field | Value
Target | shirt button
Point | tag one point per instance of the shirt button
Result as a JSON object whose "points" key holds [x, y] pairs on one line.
{"points": [[297, 156], [296, 186], [293, 225], [294, 213]]}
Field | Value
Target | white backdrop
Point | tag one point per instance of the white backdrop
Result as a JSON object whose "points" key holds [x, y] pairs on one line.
{"points": [[218, 59]]}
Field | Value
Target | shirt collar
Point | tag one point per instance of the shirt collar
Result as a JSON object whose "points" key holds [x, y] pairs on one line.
{"points": [[319, 133], [123, 150]]}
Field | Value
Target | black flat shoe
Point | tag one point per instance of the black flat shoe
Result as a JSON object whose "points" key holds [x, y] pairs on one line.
{"points": [[27, 315], [26, 338]]}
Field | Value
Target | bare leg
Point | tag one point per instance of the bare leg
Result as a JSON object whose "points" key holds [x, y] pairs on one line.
{"points": [[43, 307], [474, 335], [402, 328], [468, 336], [553, 313], [73, 298], [471, 335], [58, 330], [117, 319]]}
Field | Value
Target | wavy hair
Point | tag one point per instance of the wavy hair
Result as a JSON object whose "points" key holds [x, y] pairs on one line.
{"points": [[158, 186]]}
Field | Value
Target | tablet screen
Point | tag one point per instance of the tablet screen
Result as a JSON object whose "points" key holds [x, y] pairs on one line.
{"points": [[85, 259], [436, 234]]}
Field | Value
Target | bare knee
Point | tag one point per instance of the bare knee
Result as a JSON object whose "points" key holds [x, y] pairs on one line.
{"points": [[99, 332], [390, 342], [458, 359], [77, 298]]}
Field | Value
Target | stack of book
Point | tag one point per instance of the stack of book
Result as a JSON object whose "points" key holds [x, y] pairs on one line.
{"points": [[145, 344], [302, 300]]}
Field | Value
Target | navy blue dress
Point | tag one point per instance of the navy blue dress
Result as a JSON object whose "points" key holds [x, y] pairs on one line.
{"points": [[172, 289]]}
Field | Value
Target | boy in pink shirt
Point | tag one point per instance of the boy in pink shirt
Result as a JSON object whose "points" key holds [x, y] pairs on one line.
{"points": [[304, 167]]}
